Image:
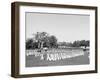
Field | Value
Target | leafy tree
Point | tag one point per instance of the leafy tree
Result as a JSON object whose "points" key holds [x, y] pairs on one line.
{"points": [[68, 44], [76, 44], [81, 43], [34, 45], [53, 41], [63, 44], [40, 37], [29, 43], [84, 43], [45, 40]]}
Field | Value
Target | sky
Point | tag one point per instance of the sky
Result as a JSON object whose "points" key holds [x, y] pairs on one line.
{"points": [[66, 27]]}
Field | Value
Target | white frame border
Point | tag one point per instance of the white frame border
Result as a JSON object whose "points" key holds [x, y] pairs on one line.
{"points": [[53, 69]]}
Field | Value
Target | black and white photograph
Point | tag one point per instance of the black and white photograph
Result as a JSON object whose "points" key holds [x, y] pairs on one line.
{"points": [[57, 39], [53, 39]]}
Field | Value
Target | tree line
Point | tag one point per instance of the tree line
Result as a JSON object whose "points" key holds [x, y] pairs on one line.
{"points": [[43, 39], [78, 43]]}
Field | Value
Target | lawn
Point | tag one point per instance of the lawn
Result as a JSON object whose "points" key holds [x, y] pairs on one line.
{"points": [[56, 57]]}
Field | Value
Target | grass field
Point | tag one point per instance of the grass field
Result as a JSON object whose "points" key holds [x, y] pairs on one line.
{"points": [[57, 57]]}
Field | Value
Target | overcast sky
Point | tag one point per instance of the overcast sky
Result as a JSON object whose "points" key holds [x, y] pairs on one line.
{"points": [[65, 27]]}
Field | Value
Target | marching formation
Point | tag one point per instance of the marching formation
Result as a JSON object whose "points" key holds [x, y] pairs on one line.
{"points": [[55, 55]]}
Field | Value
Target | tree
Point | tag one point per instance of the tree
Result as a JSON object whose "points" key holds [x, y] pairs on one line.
{"points": [[29, 43], [88, 43], [76, 44], [84, 43], [41, 40], [69, 44], [40, 37], [45, 40], [53, 41], [34, 45]]}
